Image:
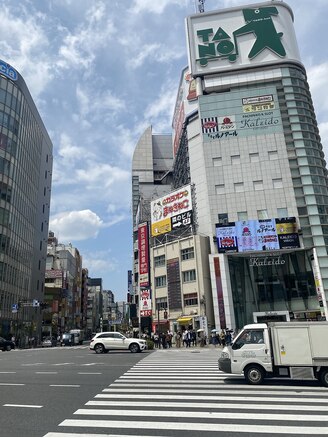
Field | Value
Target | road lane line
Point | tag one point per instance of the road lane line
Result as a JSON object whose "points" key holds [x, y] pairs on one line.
{"points": [[22, 406], [12, 384], [8, 372], [89, 373], [46, 372], [67, 386]]}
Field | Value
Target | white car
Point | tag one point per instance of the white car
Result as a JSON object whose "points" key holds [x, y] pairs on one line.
{"points": [[104, 341]]}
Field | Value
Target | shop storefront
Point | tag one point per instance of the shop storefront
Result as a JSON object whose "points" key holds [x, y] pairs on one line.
{"points": [[269, 282]]}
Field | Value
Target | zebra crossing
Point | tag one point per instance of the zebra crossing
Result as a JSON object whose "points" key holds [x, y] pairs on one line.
{"points": [[180, 393]]}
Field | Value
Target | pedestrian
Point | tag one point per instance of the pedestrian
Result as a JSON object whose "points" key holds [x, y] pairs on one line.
{"points": [[222, 337], [193, 338], [163, 340], [168, 339], [178, 337], [156, 340]]}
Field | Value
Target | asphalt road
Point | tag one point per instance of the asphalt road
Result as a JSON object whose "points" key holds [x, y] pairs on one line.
{"points": [[41, 387]]}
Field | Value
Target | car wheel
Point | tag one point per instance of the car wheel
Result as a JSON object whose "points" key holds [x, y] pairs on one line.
{"points": [[324, 377], [254, 375], [134, 348], [8, 348], [99, 348]]}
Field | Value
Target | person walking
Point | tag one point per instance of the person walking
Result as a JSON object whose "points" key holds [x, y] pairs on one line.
{"points": [[178, 338]]}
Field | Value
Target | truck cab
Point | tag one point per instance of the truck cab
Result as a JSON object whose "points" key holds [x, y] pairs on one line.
{"points": [[250, 353]]}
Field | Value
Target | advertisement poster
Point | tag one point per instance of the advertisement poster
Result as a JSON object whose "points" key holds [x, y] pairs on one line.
{"points": [[267, 238], [246, 235], [143, 253], [226, 238]]}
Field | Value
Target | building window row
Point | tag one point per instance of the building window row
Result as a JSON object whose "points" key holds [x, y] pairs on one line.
{"points": [[187, 253], [254, 157], [190, 299], [188, 276], [277, 183], [243, 215]]}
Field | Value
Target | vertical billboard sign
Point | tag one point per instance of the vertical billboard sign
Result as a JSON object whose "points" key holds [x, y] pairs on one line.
{"points": [[219, 291], [171, 211], [143, 253], [238, 38], [145, 303]]}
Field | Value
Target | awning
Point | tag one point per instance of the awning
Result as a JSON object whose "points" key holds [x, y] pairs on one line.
{"points": [[184, 320]]}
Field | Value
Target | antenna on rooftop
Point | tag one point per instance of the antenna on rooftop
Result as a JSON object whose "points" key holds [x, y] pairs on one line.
{"points": [[199, 5]]}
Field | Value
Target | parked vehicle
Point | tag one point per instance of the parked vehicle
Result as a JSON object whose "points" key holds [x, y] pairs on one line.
{"points": [[6, 345], [69, 339], [78, 333], [295, 350], [105, 341], [47, 342]]}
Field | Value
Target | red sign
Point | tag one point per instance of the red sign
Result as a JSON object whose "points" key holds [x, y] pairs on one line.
{"points": [[145, 313], [143, 253]]}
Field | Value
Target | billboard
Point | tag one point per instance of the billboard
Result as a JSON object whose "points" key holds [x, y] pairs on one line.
{"points": [[171, 212], [257, 235], [186, 103], [143, 254], [238, 38], [145, 303], [240, 113]]}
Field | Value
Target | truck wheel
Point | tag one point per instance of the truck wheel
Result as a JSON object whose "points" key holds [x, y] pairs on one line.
{"points": [[134, 348], [324, 377], [254, 374], [99, 348]]}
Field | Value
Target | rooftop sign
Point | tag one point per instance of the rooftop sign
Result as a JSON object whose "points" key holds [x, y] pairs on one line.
{"points": [[238, 38]]}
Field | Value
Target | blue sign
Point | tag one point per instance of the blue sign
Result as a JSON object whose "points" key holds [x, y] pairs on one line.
{"points": [[8, 71], [14, 308]]}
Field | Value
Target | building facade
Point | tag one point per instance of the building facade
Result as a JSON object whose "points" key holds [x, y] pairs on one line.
{"points": [[25, 186], [257, 165]]}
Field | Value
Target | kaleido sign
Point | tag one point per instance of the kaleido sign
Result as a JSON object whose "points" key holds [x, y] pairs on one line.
{"points": [[237, 38]]}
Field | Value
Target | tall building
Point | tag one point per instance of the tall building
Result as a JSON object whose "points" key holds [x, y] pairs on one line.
{"points": [[253, 150], [151, 177], [25, 186]]}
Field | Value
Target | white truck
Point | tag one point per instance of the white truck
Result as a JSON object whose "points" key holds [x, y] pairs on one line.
{"points": [[78, 336], [295, 350]]}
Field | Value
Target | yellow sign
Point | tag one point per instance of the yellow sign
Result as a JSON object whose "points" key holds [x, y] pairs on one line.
{"points": [[161, 227], [286, 228], [258, 107]]}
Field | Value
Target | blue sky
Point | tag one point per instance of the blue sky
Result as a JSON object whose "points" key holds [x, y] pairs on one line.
{"points": [[100, 72]]}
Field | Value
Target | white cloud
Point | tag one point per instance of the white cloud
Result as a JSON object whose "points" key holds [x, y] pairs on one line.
{"points": [[76, 225], [100, 262], [153, 6], [318, 80]]}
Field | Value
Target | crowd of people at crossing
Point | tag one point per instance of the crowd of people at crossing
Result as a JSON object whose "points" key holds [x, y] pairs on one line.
{"points": [[190, 338]]}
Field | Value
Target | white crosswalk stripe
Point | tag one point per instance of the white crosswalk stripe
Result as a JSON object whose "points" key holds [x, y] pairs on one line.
{"points": [[177, 393]]}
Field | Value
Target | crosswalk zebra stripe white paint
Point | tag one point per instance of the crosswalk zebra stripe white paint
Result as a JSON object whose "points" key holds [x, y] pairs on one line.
{"points": [[202, 415], [201, 427], [204, 405], [218, 385], [212, 397], [100, 435], [161, 376], [173, 390]]}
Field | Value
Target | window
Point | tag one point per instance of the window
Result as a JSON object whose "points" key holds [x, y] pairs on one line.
{"points": [[235, 159], [277, 183], [223, 218], [188, 276], [190, 299], [239, 187], [242, 215], [187, 253], [282, 212], [217, 161], [258, 185], [273, 155], [219, 189], [262, 214], [159, 261], [161, 303], [249, 337], [254, 157], [160, 281]]}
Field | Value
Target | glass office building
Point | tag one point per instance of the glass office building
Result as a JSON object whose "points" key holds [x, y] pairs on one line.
{"points": [[25, 186]]}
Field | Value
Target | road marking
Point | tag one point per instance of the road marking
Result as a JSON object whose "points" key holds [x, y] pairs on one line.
{"points": [[93, 363], [89, 373], [64, 363], [46, 372], [67, 386], [32, 364], [12, 384], [212, 397], [210, 427], [8, 372], [265, 407], [23, 406], [202, 415]]}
